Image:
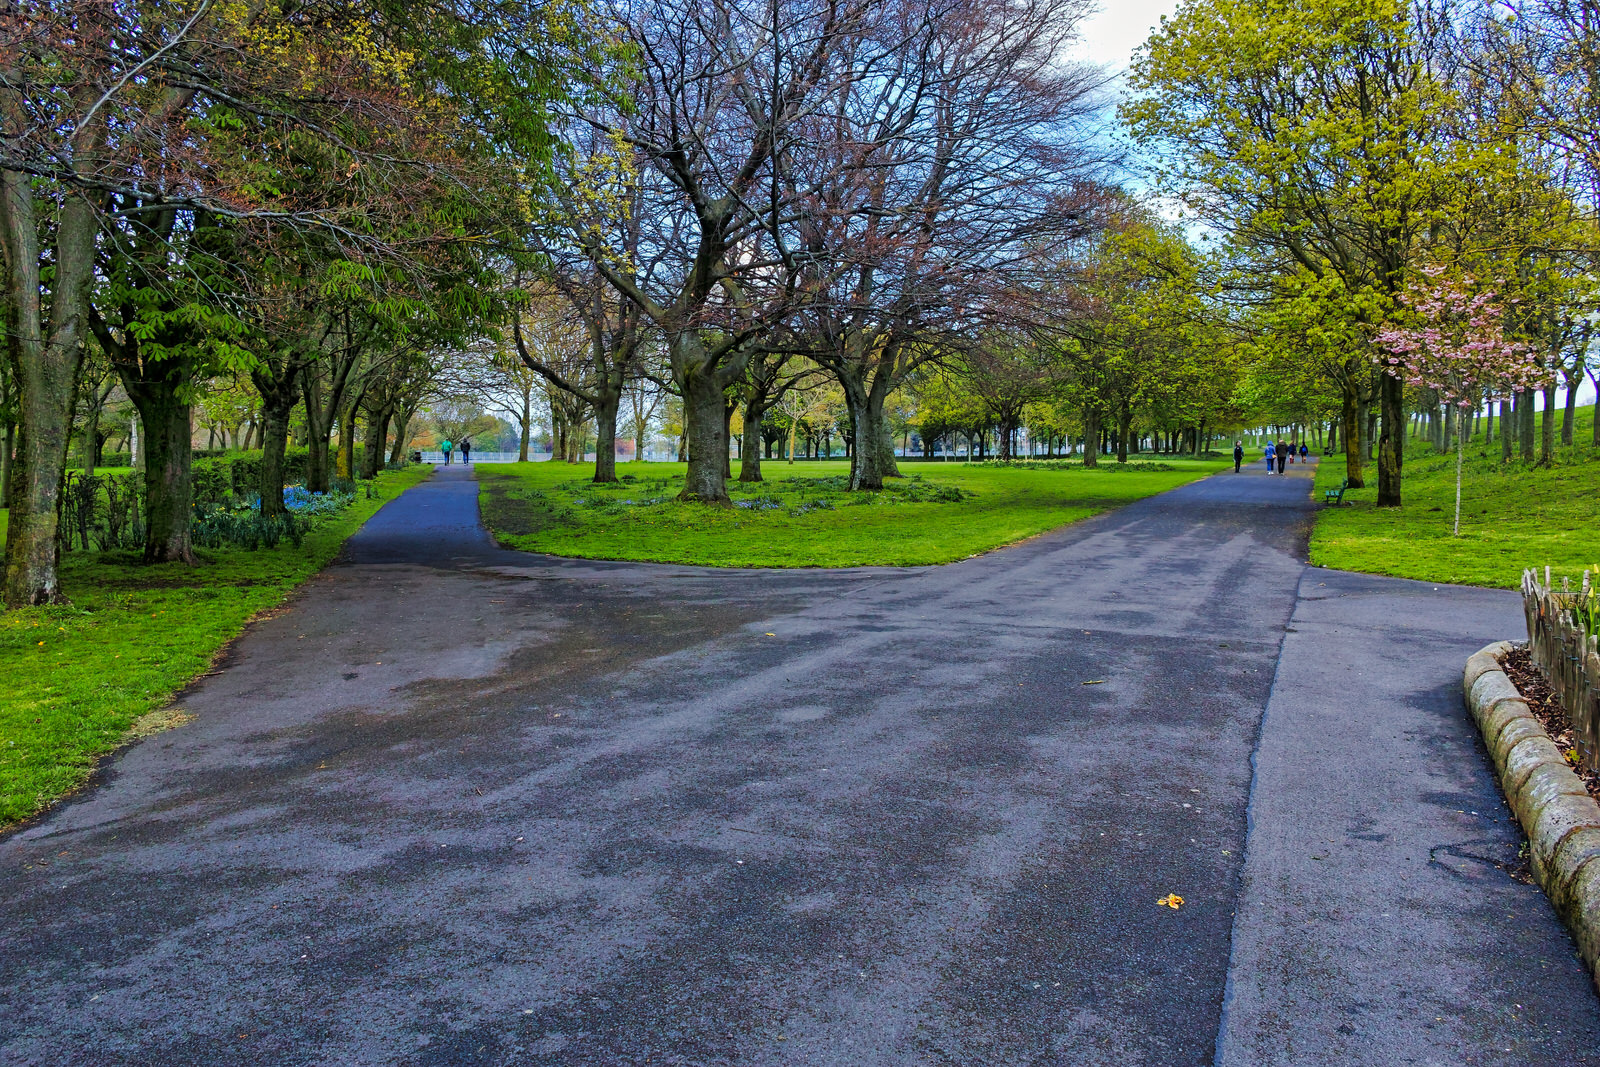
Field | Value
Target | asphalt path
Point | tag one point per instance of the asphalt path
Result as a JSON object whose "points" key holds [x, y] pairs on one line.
{"points": [[459, 805]]}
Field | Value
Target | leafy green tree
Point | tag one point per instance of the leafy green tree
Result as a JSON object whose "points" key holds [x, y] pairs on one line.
{"points": [[1308, 131], [120, 115]]}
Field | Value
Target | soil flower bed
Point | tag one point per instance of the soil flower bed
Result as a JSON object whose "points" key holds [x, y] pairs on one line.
{"points": [[1519, 667]]}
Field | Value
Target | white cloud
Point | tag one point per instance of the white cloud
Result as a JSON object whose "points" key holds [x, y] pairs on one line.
{"points": [[1111, 34]]}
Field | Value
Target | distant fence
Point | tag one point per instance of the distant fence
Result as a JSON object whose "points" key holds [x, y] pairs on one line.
{"points": [[1564, 645]]}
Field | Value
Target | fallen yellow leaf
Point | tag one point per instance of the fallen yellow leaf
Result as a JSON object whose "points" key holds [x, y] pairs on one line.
{"points": [[1171, 900], [772, 635]]}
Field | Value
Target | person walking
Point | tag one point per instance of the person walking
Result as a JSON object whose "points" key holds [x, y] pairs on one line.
{"points": [[445, 446], [1304, 452], [1238, 456], [1283, 455], [1271, 455], [466, 450]]}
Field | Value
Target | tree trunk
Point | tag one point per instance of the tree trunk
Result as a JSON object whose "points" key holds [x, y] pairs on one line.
{"points": [[558, 434], [5, 463], [1507, 430], [1547, 426], [1594, 429], [274, 441], [317, 429], [527, 419], [347, 440], [871, 465], [1391, 446], [376, 442], [728, 409], [91, 440], [46, 352], [1091, 437], [705, 438], [32, 551], [1525, 424], [750, 454], [1569, 412], [167, 468], [1461, 447], [1124, 421], [402, 435], [317, 463], [279, 390], [607, 403]]}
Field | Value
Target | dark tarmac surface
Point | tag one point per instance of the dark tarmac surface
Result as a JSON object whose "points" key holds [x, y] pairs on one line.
{"points": [[459, 805]]}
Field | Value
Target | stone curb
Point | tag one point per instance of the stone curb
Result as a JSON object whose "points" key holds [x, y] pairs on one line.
{"points": [[1560, 818]]}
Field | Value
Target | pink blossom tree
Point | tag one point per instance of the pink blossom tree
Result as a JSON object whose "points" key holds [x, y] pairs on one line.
{"points": [[1459, 347]]}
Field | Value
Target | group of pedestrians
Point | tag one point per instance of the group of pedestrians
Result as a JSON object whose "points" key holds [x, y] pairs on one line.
{"points": [[1281, 453], [446, 446]]}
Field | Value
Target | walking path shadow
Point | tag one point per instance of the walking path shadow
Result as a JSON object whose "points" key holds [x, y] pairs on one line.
{"points": [[461, 805]]}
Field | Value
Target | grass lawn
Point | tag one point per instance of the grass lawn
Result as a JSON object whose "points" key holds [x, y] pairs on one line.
{"points": [[802, 516], [76, 680], [1512, 516]]}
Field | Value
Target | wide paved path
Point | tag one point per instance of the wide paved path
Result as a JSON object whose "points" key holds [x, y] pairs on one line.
{"points": [[457, 805]]}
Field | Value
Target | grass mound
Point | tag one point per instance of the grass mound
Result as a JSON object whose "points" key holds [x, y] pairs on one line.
{"points": [[1512, 516], [803, 515]]}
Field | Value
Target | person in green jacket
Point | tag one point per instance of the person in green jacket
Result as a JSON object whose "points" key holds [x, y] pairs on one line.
{"points": [[445, 448]]}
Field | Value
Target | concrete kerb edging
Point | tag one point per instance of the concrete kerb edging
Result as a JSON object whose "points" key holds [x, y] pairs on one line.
{"points": [[1560, 818]]}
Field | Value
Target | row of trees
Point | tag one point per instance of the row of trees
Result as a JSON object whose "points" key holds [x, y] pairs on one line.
{"points": [[290, 194], [1346, 152], [600, 211]]}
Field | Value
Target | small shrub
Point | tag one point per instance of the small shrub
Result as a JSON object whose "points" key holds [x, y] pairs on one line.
{"points": [[124, 526], [211, 481]]}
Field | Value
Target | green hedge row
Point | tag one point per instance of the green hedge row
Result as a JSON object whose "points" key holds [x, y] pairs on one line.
{"points": [[223, 478], [238, 474]]}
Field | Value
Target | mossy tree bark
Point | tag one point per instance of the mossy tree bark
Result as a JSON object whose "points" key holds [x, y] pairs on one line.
{"points": [[44, 343]]}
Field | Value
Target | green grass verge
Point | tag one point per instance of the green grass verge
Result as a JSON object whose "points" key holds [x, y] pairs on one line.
{"points": [[802, 516], [1512, 516], [78, 680]]}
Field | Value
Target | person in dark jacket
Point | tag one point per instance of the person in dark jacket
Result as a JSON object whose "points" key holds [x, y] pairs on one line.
{"points": [[1238, 456], [1283, 455], [1304, 452], [466, 450]]}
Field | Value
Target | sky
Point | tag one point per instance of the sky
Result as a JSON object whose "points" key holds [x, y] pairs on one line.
{"points": [[1120, 26]]}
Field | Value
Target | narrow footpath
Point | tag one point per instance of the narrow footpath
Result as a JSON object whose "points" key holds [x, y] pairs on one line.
{"points": [[458, 805]]}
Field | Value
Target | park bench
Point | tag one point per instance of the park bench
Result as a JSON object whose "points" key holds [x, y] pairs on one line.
{"points": [[1336, 496]]}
